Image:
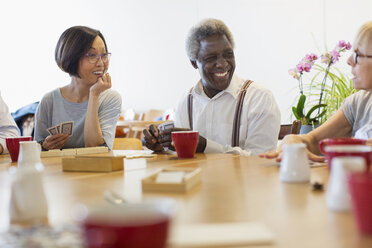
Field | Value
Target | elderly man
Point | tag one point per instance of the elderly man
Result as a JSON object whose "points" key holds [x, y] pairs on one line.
{"points": [[8, 127], [232, 114]]}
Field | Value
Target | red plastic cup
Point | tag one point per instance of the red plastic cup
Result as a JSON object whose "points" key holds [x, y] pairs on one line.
{"points": [[13, 146], [135, 225], [341, 147], [360, 187], [339, 141], [185, 143]]}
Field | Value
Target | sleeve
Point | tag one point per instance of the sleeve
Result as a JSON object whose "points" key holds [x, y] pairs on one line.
{"points": [[42, 118], [348, 106], [263, 124], [182, 115], [108, 115], [8, 127]]}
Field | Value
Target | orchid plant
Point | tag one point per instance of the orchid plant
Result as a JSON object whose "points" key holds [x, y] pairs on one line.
{"points": [[316, 112]]}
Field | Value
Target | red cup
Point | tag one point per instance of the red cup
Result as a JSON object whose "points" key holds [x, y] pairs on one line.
{"points": [[348, 150], [360, 188], [185, 143], [135, 225], [13, 146], [339, 141]]}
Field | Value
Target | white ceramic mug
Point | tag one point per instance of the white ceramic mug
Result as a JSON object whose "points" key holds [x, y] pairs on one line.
{"points": [[338, 196], [295, 165]]}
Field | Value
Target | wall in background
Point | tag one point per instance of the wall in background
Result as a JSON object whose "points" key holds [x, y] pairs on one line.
{"points": [[149, 66]]}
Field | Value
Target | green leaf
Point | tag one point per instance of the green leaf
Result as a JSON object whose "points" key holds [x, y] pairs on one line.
{"points": [[315, 108], [300, 106], [294, 110]]}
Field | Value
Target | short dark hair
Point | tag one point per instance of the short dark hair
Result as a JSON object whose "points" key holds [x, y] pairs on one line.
{"points": [[73, 44]]}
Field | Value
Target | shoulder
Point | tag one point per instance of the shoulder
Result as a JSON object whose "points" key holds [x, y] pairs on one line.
{"points": [[359, 97], [110, 96], [48, 98], [257, 90]]}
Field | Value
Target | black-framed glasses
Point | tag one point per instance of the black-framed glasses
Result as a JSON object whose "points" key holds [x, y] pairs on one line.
{"points": [[356, 55], [93, 58]]}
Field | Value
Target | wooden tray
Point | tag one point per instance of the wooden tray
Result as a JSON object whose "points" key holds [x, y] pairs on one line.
{"points": [[192, 177], [93, 163]]}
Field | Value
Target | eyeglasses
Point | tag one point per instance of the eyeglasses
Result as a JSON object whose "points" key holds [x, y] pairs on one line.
{"points": [[356, 55], [93, 58]]}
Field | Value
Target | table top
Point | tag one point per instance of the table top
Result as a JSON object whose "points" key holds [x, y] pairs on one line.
{"points": [[233, 189]]}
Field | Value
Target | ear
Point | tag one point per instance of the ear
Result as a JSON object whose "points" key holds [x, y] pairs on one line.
{"points": [[193, 63]]}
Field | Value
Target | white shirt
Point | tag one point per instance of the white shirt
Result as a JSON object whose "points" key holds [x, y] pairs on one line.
{"points": [[8, 127], [214, 117]]}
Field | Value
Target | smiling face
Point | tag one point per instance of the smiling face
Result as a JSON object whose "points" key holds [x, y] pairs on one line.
{"points": [[90, 72], [216, 64], [362, 71]]}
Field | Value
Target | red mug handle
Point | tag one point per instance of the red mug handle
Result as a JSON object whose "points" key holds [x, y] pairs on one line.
{"points": [[322, 145]]}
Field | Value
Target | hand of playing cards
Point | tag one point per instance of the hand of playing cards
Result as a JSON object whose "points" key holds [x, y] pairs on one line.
{"points": [[65, 127]]}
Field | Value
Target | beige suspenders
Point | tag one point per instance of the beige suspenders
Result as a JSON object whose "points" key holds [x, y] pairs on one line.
{"points": [[238, 112]]}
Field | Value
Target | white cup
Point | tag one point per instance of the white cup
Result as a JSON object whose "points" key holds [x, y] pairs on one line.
{"points": [[295, 165], [338, 196]]}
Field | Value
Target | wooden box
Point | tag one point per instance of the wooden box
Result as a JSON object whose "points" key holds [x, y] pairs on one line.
{"points": [[191, 178], [93, 163]]}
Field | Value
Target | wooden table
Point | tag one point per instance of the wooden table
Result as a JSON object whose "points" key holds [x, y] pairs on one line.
{"points": [[233, 189]]}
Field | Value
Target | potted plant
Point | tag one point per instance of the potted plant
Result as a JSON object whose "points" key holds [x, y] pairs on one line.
{"points": [[324, 94]]}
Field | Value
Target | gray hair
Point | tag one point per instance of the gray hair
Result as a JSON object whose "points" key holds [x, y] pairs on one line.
{"points": [[202, 30]]}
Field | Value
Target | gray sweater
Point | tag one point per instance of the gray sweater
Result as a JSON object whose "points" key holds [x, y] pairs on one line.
{"points": [[54, 109]]}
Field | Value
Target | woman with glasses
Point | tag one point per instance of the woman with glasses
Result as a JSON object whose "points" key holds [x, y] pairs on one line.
{"points": [[87, 101], [353, 119]]}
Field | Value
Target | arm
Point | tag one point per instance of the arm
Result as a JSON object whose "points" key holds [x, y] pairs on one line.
{"points": [[8, 127], [92, 129], [336, 126]]}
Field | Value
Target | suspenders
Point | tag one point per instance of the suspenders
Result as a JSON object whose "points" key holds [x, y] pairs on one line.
{"points": [[238, 112]]}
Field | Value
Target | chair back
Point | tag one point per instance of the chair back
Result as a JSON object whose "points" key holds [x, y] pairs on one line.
{"points": [[286, 129], [127, 144]]}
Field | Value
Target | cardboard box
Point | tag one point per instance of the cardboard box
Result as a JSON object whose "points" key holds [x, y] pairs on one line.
{"points": [[191, 178], [93, 163]]}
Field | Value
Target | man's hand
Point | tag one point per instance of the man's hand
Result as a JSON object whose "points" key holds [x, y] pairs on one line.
{"points": [[157, 140], [290, 139], [152, 139]]}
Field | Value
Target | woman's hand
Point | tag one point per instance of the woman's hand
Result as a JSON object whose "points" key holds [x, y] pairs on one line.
{"points": [[103, 83], [290, 139], [56, 141]]}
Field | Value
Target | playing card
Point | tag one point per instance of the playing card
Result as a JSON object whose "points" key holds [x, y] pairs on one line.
{"points": [[67, 127], [58, 128], [52, 130], [166, 126]]}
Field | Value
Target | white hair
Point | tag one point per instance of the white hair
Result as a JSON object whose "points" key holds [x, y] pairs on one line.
{"points": [[202, 30]]}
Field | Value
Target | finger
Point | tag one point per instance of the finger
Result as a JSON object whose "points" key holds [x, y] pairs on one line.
{"points": [[148, 136], [154, 130], [155, 147], [108, 79], [270, 154], [167, 144], [165, 138], [175, 129], [53, 137], [315, 158]]}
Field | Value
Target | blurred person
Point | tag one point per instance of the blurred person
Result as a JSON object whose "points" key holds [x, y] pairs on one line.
{"points": [[210, 107], [353, 119], [8, 127], [87, 100]]}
